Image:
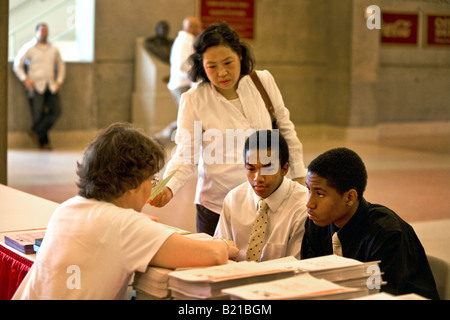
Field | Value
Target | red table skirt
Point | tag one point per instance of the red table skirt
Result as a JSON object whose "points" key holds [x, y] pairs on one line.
{"points": [[13, 268]]}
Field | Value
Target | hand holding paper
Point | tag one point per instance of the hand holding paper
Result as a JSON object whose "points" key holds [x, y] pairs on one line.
{"points": [[159, 187]]}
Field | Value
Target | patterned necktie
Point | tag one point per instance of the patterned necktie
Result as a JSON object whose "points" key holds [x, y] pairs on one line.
{"points": [[337, 247], [256, 241]]}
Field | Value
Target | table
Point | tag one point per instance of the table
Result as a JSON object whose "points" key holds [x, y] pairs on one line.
{"points": [[20, 212]]}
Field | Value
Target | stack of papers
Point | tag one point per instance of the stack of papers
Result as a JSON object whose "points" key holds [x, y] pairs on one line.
{"points": [[301, 287], [340, 270], [326, 277], [24, 242], [208, 283], [153, 284], [387, 296]]}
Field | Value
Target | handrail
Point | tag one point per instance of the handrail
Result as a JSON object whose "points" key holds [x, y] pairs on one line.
{"points": [[63, 34], [17, 7], [43, 13], [28, 22]]}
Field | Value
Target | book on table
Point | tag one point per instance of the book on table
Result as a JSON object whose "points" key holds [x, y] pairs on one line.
{"points": [[24, 242]]}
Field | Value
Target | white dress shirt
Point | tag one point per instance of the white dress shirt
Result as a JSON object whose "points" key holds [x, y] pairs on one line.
{"points": [[182, 48], [46, 67], [204, 119], [286, 219]]}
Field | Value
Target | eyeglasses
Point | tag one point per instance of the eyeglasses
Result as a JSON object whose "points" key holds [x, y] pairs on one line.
{"points": [[154, 181]]}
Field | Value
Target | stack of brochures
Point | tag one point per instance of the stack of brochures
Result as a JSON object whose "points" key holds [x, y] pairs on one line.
{"points": [[24, 242], [340, 270], [208, 283], [153, 284], [301, 287], [327, 277]]}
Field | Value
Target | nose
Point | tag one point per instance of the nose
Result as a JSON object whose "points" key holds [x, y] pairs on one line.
{"points": [[258, 176], [310, 204], [222, 71]]}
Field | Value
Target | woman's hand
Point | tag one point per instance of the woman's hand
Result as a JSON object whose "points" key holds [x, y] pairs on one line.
{"points": [[162, 199]]}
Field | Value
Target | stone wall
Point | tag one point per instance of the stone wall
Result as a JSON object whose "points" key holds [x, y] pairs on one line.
{"points": [[329, 66]]}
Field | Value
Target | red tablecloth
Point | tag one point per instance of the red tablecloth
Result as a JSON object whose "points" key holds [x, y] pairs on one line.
{"points": [[13, 268]]}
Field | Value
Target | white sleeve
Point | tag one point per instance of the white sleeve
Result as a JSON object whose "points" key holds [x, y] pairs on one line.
{"points": [[188, 139], [140, 239], [223, 229], [19, 62]]}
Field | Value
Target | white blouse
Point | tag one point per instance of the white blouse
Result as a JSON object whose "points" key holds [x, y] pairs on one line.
{"points": [[212, 132]]}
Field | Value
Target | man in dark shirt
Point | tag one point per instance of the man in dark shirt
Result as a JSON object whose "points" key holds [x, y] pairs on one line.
{"points": [[367, 232]]}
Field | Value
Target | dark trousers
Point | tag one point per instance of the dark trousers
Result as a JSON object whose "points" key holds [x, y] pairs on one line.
{"points": [[206, 220], [45, 110]]}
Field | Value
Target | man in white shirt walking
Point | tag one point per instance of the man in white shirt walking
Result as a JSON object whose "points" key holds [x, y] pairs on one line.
{"points": [[179, 82], [40, 67], [266, 155]]}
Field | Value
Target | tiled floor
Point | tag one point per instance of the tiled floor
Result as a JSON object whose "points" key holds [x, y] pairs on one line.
{"points": [[411, 176]]}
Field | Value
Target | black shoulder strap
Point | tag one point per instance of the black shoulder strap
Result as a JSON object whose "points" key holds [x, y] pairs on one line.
{"points": [[265, 97]]}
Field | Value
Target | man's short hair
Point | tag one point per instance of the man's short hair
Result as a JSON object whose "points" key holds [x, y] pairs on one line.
{"points": [[262, 140], [342, 168], [41, 24]]}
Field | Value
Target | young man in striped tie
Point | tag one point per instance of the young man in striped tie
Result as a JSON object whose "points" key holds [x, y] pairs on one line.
{"points": [[265, 216]]}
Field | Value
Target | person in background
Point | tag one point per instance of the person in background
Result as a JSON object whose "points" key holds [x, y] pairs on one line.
{"points": [[95, 241], [179, 81], [225, 101], [266, 163], [40, 67], [342, 222]]}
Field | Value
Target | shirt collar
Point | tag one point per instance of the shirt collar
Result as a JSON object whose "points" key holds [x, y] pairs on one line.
{"points": [[276, 198]]}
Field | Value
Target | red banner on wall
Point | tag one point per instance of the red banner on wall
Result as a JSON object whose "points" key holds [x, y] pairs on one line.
{"points": [[239, 14], [437, 30], [399, 28]]}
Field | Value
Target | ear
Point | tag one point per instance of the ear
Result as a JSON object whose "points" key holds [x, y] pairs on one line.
{"points": [[285, 169], [352, 197]]}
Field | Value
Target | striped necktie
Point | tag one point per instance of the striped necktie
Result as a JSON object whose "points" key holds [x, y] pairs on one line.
{"points": [[257, 237]]}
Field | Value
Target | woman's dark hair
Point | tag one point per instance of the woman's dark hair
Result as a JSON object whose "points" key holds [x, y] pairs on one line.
{"points": [[119, 159], [215, 35], [342, 168], [267, 140]]}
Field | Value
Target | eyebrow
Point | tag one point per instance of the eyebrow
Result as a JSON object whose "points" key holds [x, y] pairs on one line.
{"points": [[223, 60], [253, 164], [315, 188]]}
